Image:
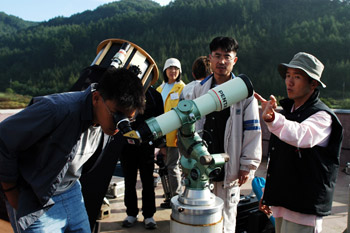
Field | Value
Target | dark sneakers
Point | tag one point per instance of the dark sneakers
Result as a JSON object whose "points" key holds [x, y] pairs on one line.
{"points": [[166, 204]]}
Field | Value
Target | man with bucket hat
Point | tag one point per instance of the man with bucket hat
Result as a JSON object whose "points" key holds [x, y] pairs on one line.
{"points": [[304, 149]]}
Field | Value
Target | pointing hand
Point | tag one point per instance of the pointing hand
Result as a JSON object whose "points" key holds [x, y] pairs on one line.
{"points": [[268, 107]]}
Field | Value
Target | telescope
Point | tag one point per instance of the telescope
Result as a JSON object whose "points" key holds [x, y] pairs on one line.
{"points": [[119, 53], [189, 111], [196, 206]]}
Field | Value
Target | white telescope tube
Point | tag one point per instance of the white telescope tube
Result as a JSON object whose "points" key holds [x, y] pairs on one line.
{"points": [[216, 99], [168, 122], [222, 96]]}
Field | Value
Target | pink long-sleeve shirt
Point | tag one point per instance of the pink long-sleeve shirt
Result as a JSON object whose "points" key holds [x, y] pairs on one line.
{"points": [[315, 130]]}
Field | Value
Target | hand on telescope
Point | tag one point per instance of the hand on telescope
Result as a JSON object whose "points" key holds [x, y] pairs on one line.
{"points": [[268, 107]]}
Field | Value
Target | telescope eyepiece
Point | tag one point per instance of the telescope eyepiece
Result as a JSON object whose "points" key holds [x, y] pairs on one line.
{"points": [[122, 122]]}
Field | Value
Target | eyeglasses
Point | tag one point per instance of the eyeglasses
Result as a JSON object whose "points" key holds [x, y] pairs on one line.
{"points": [[117, 116], [219, 57], [109, 111]]}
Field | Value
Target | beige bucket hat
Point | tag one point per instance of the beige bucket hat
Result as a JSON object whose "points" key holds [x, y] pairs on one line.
{"points": [[306, 62]]}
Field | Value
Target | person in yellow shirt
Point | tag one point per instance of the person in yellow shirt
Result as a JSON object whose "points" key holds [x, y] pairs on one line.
{"points": [[170, 90]]}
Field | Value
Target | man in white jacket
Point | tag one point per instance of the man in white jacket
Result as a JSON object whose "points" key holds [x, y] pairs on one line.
{"points": [[234, 130]]}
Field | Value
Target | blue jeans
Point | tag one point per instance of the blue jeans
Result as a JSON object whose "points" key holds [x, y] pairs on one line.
{"points": [[67, 215]]}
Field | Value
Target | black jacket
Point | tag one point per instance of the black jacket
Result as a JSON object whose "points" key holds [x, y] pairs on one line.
{"points": [[303, 179]]}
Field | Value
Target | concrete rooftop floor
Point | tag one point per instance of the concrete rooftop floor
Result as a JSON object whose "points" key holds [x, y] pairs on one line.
{"points": [[335, 223]]}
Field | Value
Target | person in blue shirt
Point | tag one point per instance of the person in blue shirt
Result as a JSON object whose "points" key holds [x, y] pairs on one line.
{"points": [[43, 149]]}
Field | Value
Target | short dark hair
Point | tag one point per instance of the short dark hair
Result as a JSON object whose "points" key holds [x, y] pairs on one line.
{"points": [[227, 44], [124, 87], [201, 67], [166, 79]]}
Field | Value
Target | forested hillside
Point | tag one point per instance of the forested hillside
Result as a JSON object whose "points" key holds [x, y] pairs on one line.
{"points": [[48, 57], [11, 24]]}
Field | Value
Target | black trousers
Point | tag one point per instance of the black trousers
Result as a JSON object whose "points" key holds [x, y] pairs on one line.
{"points": [[140, 158]]}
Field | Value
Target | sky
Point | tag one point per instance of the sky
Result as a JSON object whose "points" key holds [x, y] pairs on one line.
{"points": [[43, 10]]}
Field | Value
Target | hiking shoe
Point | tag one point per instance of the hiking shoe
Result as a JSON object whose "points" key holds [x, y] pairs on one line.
{"points": [[150, 223], [166, 204], [129, 221]]}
